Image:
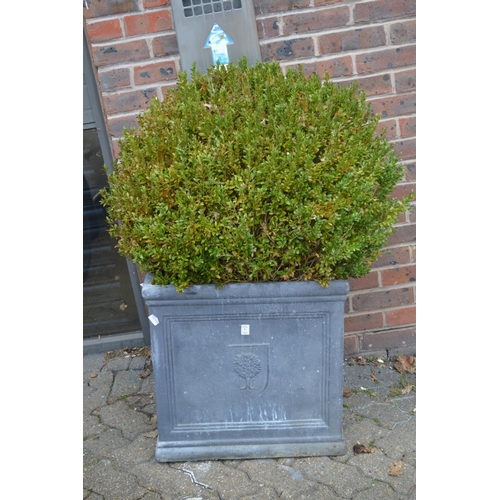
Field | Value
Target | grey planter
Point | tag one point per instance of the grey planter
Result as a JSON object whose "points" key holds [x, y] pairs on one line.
{"points": [[250, 370]]}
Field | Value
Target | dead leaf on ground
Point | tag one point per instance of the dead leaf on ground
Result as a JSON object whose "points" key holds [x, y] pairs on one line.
{"points": [[396, 469], [361, 448], [375, 379], [361, 361], [151, 434], [346, 392], [407, 389], [94, 375], [145, 374], [405, 364]]}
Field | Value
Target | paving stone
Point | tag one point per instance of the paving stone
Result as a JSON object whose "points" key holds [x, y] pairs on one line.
{"points": [[286, 481], [364, 431], [119, 452], [103, 479], [117, 363], [126, 383], [89, 495], [148, 385], [376, 466], [91, 426], [163, 479], [141, 450], [96, 391], [101, 446], [93, 363], [386, 414], [400, 441], [377, 491], [344, 479], [130, 422], [230, 482], [137, 363]]}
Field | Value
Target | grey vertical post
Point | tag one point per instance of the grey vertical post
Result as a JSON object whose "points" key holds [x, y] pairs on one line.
{"points": [[211, 30]]}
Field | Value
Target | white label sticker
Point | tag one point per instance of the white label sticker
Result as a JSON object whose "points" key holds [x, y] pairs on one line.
{"points": [[153, 319], [245, 329]]}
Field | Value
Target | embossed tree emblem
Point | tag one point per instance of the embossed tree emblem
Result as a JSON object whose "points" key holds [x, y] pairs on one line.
{"points": [[247, 366]]}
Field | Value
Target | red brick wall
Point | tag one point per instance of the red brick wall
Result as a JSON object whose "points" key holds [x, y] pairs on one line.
{"points": [[134, 49]]}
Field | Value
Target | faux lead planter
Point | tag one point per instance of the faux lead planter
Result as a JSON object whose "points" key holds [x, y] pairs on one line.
{"points": [[250, 370]]}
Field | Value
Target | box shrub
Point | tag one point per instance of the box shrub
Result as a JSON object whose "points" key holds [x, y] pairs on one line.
{"points": [[245, 174]]}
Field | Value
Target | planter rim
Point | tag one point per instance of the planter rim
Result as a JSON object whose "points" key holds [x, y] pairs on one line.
{"points": [[245, 290]]}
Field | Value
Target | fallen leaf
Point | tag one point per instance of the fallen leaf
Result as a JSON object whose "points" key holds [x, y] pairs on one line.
{"points": [[151, 434], [405, 364], [145, 374], [361, 361], [396, 469], [361, 448], [94, 375], [407, 389], [375, 379], [346, 392]]}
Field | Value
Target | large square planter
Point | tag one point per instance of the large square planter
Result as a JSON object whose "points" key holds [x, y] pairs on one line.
{"points": [[250, 370]]}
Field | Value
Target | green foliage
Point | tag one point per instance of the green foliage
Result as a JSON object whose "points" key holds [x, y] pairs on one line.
{"points": [[245, 174]]}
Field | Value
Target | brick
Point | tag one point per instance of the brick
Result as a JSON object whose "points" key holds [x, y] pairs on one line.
{"points": [[288, 49], [403, 32], [316, 20], [370, 85], [128, 101], [115, 148], [387, 107], [307, 68], [401, 317], [164, 89], [101, 8], [393, 257], [116, 125], [269, 6], [125, 52], [151, 4], [402, 190], [268, 28], [355, 39], [383, 9], [154, 73], [374, 85], [411, 171], [149, 22], [398, 275], [390, 128], [388, 339], [413, 213], [351, 345], [115, 79], [336, 67], [386, 59], [407, 149], [381, 299], [370, 280], [403, 234], [165, 45], [363, 322], [405, 81], [408, 126], [103, 31]]}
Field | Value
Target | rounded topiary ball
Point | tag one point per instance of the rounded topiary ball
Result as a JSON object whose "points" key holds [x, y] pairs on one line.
{"points": [[245, 174]]}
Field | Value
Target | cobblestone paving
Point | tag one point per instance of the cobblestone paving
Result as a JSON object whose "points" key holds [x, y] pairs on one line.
{"points": [[119, 429]]}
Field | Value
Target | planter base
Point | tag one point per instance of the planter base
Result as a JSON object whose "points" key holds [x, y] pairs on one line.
{"points": [[168, 453], [248, 370]]}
